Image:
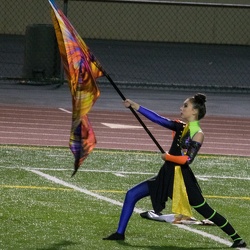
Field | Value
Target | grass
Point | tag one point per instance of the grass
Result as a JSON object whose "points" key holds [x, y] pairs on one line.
{"points": [[37, 213]]}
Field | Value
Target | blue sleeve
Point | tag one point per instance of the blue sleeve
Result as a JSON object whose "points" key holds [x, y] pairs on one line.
{"points": [[154, 117]]}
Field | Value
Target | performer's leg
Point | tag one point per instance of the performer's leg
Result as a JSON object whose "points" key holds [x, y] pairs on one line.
{"points": [[133, 195], [198, 202]]}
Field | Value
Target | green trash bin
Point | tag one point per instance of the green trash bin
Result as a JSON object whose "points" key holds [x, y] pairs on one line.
{"points": [[42, 58]]}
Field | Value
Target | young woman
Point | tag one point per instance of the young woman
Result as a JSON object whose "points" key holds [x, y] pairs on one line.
{"points": [[187, 140]]}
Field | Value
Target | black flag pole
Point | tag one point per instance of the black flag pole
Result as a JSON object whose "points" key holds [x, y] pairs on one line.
{"points": [[133, 111]]}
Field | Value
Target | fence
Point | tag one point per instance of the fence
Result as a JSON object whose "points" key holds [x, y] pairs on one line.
{"points": [[139, 43]]}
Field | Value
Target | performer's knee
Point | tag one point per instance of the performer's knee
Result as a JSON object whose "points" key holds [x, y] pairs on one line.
{"points": [[205, 210], [131, 197], [136, 193]]}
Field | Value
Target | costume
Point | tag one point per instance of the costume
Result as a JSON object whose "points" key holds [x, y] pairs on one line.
{"points": [[182, 152]]}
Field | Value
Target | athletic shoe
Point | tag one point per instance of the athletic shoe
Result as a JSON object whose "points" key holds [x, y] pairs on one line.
{"points": [[239, 243], [115, 236]]}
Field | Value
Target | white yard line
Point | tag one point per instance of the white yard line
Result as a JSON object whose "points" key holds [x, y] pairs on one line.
{"points": [[114, 202], [124, 173], [204, 234], [82, 190]]}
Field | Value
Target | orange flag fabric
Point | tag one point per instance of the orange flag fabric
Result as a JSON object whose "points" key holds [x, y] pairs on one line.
{"points": [[82, 69]]}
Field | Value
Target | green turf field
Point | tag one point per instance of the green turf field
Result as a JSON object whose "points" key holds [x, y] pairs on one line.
{"points": [[43, 208]]}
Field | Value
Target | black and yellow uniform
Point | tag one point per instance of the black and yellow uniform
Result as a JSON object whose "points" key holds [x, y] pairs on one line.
{"points": [[161, 187]]}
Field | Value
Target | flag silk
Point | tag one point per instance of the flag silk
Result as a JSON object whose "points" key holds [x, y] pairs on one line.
{"points": [[82, 69]]}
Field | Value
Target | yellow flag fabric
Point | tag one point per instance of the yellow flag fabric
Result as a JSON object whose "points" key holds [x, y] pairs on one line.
{"points": [[82, 69], [180, 203]]}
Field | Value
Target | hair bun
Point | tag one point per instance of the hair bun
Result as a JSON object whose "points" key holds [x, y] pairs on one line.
{"points": [[200, 98]]}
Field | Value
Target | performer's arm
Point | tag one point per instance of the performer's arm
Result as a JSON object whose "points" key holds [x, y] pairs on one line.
{"points": [[152, 116], [183, 159]]}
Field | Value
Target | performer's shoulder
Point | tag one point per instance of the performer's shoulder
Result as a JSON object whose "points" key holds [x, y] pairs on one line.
{"points": [[179, 121]]}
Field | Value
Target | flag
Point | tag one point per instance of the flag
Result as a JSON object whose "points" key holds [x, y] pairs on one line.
{"points": [[82, 69]]}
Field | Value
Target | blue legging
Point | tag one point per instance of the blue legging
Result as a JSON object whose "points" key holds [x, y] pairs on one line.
{"points": [[133, 195]]}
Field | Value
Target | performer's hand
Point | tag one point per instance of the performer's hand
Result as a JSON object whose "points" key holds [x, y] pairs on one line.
{"points": [[179, 159], [163, 156], [128, 103]]}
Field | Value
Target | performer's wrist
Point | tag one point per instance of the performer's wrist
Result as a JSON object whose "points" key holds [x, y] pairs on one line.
{"points": [[179, 159]]}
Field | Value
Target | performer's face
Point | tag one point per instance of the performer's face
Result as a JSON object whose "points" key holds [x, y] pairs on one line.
{"points": [[188, 113]]}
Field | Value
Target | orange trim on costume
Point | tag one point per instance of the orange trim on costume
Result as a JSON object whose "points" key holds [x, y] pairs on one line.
{"points": [[178, 159]]}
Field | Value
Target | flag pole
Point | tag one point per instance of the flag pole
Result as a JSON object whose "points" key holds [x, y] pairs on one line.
{"points": [[133, 111]]}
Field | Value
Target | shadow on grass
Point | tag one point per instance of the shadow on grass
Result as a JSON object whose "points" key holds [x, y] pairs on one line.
{"points": [[58, 246], [125, 244]]}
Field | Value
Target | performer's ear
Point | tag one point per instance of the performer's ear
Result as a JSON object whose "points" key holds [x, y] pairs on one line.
{"points": [[195, 111]]}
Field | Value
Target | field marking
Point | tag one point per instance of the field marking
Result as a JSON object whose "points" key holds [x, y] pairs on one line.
{"points": [[116, 151], [82, 190], [121, 126], [111, 191], [36, 187], [124, 173], [114, 202], [227, 197], [65, 110], [204, 234]]}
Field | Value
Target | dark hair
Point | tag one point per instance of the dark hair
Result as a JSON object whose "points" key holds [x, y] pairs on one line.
{"points": [[198, 101]]}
